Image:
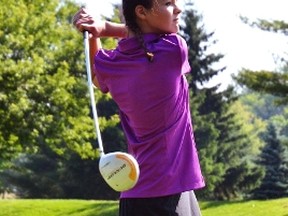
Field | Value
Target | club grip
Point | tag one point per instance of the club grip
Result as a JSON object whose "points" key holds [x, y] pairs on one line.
{"points": [[86, 34]]}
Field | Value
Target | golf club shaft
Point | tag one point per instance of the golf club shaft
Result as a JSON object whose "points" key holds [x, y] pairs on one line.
{"points": [[91, 92]]}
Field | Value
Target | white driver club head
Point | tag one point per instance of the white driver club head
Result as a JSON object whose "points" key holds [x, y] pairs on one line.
{"points": [[120, 170]]}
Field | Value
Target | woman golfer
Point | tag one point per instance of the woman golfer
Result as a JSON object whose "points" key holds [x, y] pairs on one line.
{"points": [[145, 74]]}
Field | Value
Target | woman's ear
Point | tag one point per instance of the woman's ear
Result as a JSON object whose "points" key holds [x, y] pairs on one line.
{"points": [[140, 12]]}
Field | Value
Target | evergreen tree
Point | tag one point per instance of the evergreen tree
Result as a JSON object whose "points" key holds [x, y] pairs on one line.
{"points": [[48, 175], [269, 82], [222, 146], [274, 158]]}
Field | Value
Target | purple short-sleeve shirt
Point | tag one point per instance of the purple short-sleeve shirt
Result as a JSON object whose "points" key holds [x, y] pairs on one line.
{"points": [[153, 100]]}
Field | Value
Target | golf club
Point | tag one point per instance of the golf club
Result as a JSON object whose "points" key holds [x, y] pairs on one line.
{"points": [[120, 170]]}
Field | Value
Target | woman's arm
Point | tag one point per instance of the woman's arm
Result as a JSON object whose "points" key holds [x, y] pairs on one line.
{"points": [[83, 21], [112, 29], [94, 46]]}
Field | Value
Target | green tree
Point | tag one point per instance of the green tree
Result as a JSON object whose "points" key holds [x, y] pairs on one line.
{"points": [[274, 157], [263, 108], [46, 174], [44, 96], [221, 142], [261, 104], [281, 124], [247, 175], [268, 82], [43, 93]]}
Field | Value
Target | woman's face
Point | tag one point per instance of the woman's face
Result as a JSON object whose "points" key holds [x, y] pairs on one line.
{"points": [[163, 17]]}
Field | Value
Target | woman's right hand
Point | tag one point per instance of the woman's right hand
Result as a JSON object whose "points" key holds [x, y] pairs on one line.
{"points": [[83, 21]]}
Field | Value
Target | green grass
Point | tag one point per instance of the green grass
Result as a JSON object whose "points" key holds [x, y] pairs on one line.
{"points": [[278, 207], [57, 208]]}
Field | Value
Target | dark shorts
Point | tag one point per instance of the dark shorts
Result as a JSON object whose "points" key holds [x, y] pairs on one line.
{"points": [[157, 206]]}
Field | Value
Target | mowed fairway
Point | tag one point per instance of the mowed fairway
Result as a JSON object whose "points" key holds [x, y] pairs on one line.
{"points": [[57, 208], [278, 207]]}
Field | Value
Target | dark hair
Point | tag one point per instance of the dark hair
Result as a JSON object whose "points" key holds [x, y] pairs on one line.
{"points": [[128, 8]]}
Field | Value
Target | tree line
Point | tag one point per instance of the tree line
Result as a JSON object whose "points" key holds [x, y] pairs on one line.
{"points": [[48, 147]]}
